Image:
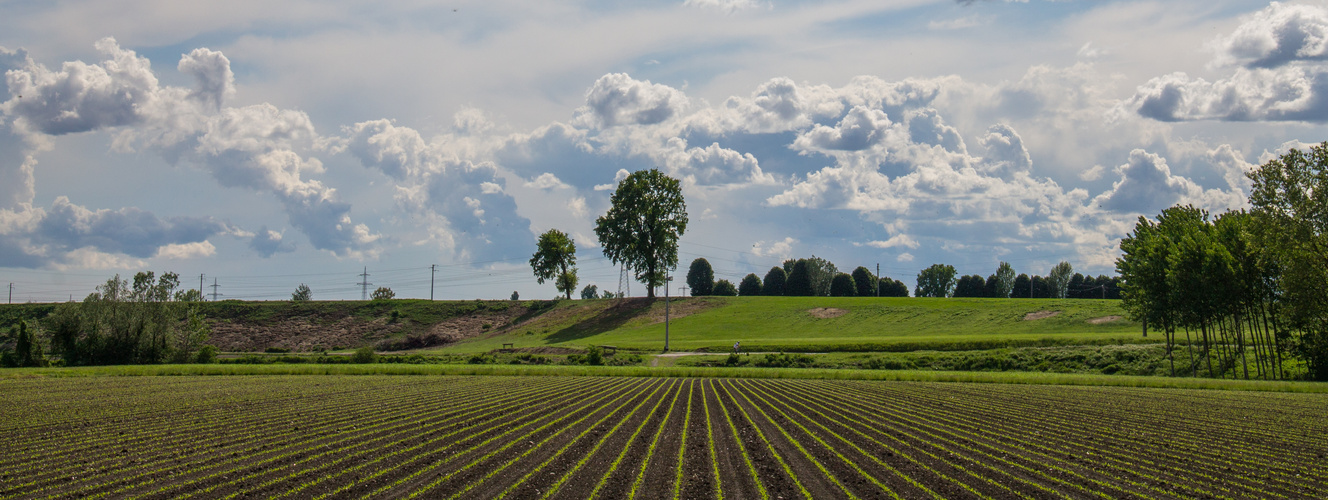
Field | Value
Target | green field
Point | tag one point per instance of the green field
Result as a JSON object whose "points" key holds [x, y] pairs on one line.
{"points": [[788, 324]]}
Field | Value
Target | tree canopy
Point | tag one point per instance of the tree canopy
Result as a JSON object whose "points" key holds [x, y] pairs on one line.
{"points": [[555, 259], [725, 288], [842, 286], [774, 282], [938, 280], [1058, 280], [799, 282], [1004, 280], [701, 277], [863, 279], [750, 285], [302, 293], [641, 230]]}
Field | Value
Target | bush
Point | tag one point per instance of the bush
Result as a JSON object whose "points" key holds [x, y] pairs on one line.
{"points": [[724, 288], [479, 359], [206, 355], [750, 285], [302, 294], [383, 293], [843, 286], [786, 360], [590, 292], [594, 356], [276, 350], [364, 354]]}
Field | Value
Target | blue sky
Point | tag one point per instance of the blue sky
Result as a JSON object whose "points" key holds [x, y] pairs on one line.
{"points": [[265, 144]]}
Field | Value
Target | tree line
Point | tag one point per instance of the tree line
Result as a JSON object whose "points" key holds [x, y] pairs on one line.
{"points": [[1245, 288]]}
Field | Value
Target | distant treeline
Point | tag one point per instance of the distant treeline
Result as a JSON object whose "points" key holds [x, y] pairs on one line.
{"points": [[1246, 289], [818, 277]]}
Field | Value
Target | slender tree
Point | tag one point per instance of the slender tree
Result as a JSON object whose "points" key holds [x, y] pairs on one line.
{"points": [[1058, 280], [843, 286], [701, 277], [799, 281], [1005, 280], [863, 281], [774, 282], [750, 285]]}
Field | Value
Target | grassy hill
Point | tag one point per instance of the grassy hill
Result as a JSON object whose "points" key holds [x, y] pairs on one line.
{"points": [[818, 324], [806, 324]]}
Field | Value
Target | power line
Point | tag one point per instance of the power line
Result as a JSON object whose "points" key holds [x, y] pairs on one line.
{"points": [[364, 284], [214, 290]]}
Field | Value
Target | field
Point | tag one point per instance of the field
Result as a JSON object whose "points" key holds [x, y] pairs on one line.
{"points": [[620, 437]]}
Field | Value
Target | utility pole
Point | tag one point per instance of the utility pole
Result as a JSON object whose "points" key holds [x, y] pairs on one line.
{"points": [[667, 279], [364, 284], [200, 285], [878, 280], [432, 269], [11, 293], [214, 290]]}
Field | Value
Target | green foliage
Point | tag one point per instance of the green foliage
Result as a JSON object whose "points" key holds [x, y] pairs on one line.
{"points": [[28, 350], [892, 288], [302, 294], [206, 354], [514, 296], [594, 355], [799, 282], [364, 354], [641, 229], [1022, 287], [383, 293], [1058, 280], [938, 280], [843, 286], [785, 360], [822, 273], [555, 259], [590, 292], [970, 286], [701, 278], [750, 285], [125, 323], [774, 283], [190, 295], [725, 288], [862, 282], [1004, 280]]}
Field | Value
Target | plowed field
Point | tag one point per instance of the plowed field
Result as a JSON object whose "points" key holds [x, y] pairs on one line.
{"points": [[605, 437]]}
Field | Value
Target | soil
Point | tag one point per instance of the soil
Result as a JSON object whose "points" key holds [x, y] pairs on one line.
{"points": [[827, 312], [1033, 316], [1104, 319], [314, 333]]}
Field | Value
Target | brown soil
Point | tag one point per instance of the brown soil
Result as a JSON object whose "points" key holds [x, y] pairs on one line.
{"points": [[317, 333], [1104, 319], [827, 312], [1040, 315]]}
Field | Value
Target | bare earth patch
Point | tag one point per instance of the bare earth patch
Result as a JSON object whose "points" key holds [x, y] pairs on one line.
{"points": [[827, 312], [1104, 319], [1040, 315]]}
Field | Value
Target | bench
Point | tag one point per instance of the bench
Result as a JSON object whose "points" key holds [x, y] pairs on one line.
{"points": [[507, 347]]}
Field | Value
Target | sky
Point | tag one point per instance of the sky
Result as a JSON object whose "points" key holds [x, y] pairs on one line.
{"points": [[261, 145]]}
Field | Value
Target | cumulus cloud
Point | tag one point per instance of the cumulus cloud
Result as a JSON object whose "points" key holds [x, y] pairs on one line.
{"points": [[462, 204], [259, 147], [618, 99], [898, 240], [1279, 34], [1278, 55], [267, 243], [711, 165], [860, 129], [781, 249], [180, 251], [1147, 186], [1006, 153], [723, 5]]}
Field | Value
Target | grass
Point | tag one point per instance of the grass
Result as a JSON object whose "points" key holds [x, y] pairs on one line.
{"points": [[1038, 378], [785, 324]]}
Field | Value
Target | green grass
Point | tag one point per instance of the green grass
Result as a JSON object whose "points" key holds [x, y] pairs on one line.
{"points": [[785, 324], [1037, 378]]}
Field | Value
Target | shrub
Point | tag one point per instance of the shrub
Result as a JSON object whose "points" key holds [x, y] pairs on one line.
{"points": [[862, 282], [775, 281], [785, 360], [594, 356], [276, 350], [750, 285], [383, 293], [724, 288], [302, 293], [364, 354], [206, 355], [843, 286], [479, 359], [590, 292]]}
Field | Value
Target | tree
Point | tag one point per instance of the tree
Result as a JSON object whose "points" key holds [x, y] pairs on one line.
{"points": [[821, 272], [590, 292], [936, 281], [1040, 288], [892, 288], [383, 293], [1005, 280], [992, 287], [843, 286], [1078, 288], [799, 281], [774, 282], [190, 295], [27, 349], [1022, 287], [642, 227], [750, 285], [969, 286], [701, 278], [515, 296], [725, 288], [863, 281], [1058, 280], [555, 259], [302, 294]]}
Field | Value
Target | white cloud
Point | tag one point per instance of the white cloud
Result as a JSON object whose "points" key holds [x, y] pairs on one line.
{"points": [[577, 207], [1147, 186], [180, 251], [1280, 34], [546, 181], [899, 240], [618, 99], [782, 249], [724, 5], [904, 257]]}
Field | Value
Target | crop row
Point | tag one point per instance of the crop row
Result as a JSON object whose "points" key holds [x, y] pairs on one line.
{"points": [[603, 437]]}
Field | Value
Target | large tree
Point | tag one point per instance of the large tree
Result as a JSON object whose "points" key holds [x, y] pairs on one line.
{"points": [[935, 281], [863, 281], [750, 285], [701, 277], [642, 227], [555, 259], [799, 282], [843, 286]]}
